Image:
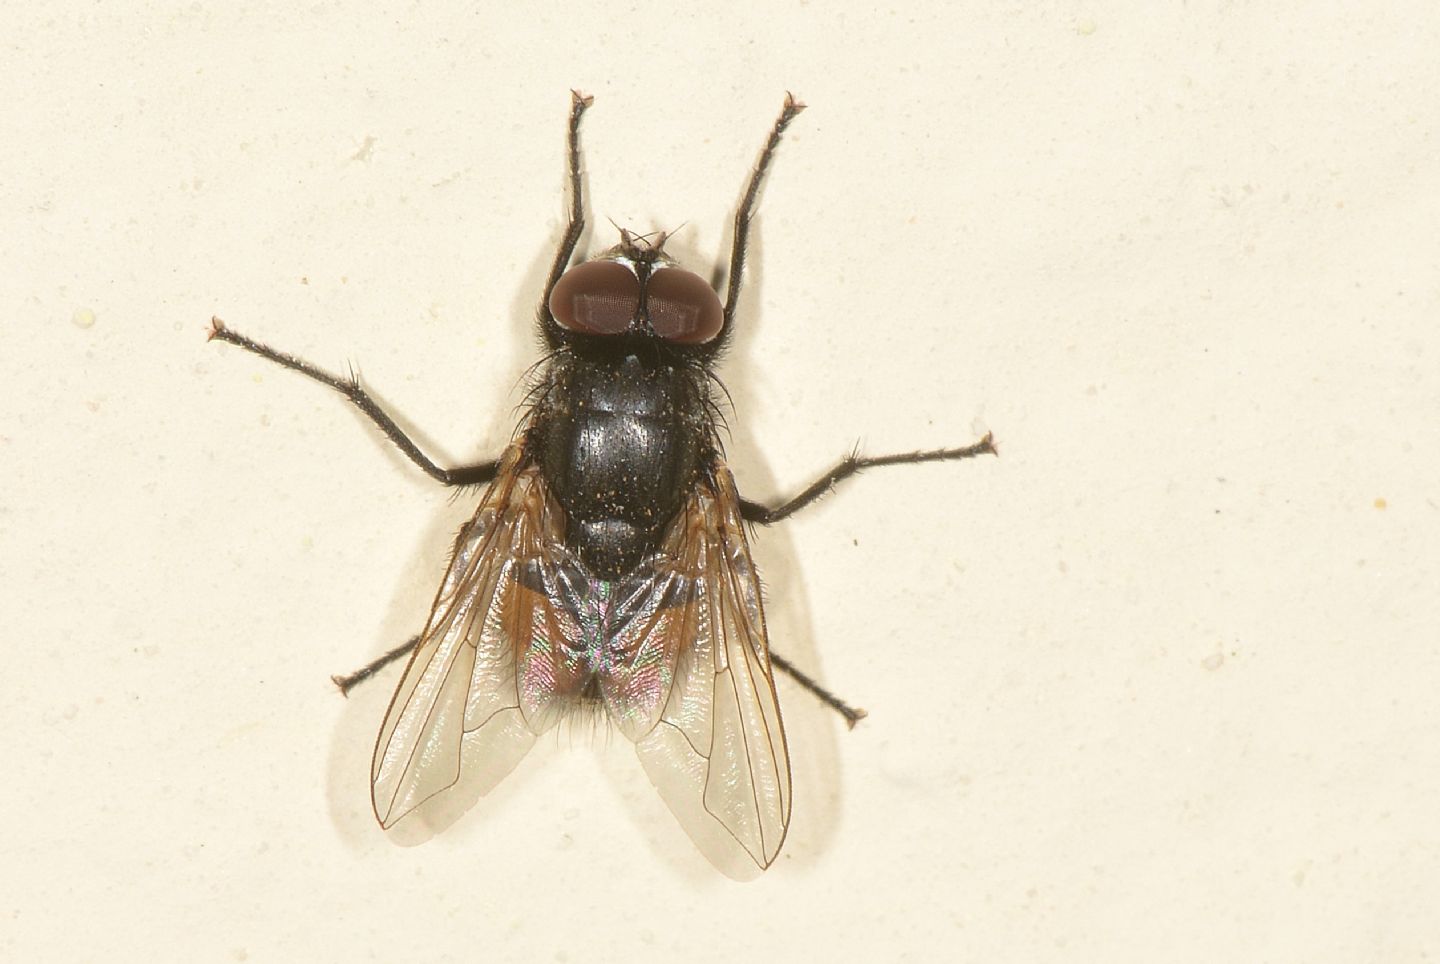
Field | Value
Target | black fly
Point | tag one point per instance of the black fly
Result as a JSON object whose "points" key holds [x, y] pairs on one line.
{"points": [[607, 562]]}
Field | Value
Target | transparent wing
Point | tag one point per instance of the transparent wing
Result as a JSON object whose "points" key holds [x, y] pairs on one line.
{"points": [[688, 678], [458, 714]]}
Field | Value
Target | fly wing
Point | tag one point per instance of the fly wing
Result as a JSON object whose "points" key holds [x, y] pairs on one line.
{"points": [[458, 714], [689, 680]]}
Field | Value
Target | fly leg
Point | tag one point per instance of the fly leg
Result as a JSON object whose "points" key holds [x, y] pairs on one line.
{"points": [[576, 224], [848, 466], [347, 683], [852, 714], [747, 204], [350, 387]]}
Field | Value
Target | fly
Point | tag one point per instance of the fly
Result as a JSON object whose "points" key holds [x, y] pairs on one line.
{"points": [[608, 562]]}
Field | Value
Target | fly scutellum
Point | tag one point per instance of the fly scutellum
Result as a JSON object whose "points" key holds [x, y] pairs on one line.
{"points": [[607, 562]]}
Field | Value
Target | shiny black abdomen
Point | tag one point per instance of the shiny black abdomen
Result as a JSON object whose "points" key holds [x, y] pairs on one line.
{"points": [[620, 443]]}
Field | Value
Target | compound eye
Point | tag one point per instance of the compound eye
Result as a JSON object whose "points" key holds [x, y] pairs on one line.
{"points": [[596, 298], [683, 308]]}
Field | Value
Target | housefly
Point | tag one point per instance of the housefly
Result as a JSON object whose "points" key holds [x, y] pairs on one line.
{"points": [[607, 563]]}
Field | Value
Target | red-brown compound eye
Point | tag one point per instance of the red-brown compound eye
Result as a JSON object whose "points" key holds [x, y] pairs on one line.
{"points": [[683, 308], [596, 298]]}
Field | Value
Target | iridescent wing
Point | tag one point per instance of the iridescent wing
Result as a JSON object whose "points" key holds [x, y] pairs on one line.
{"points": [[687, 676], [459, 714], [521, 632]]}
